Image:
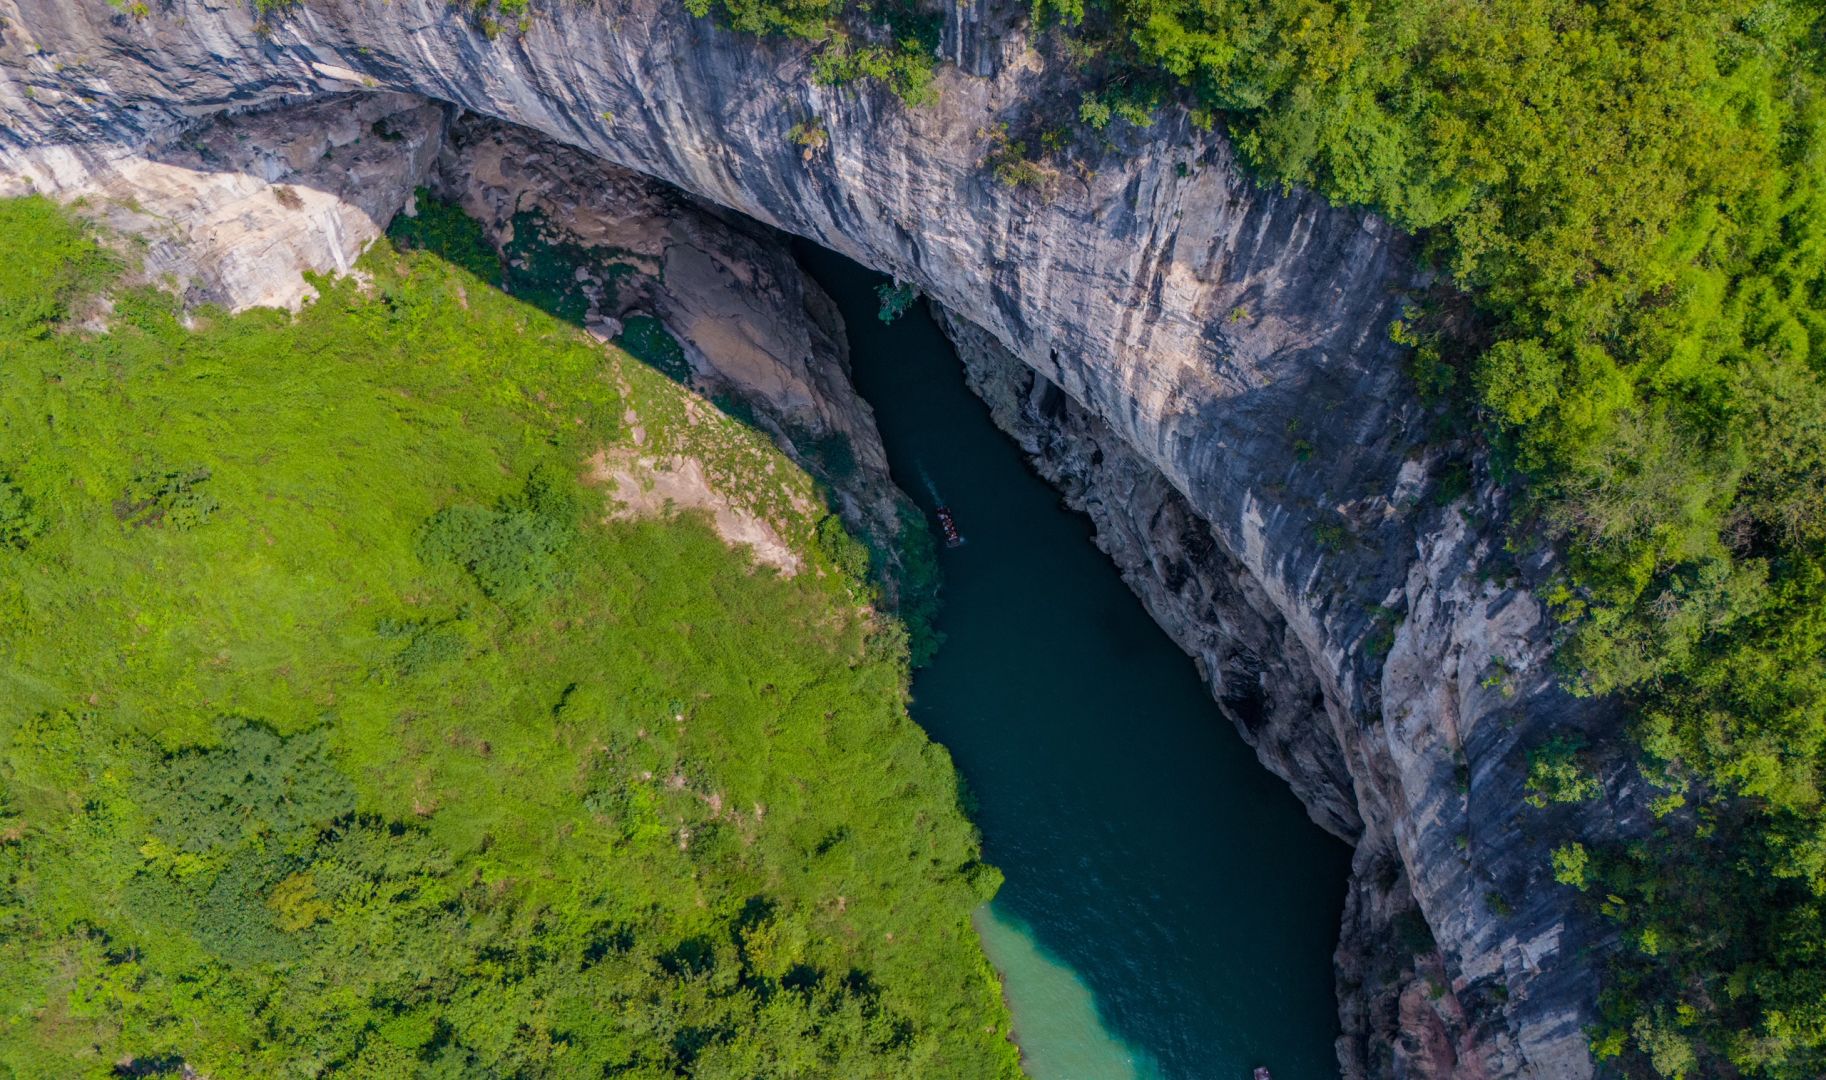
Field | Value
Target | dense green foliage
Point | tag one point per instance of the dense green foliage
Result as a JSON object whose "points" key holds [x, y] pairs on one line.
{"points": [[895, 299], [891, 42], [1636, 194], [340, 733], [1633, 197]]}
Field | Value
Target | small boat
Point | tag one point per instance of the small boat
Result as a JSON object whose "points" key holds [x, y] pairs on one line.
{"points": [[1261, 1073], [948, 526]]}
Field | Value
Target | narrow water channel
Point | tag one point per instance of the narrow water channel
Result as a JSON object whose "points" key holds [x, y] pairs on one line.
{"points": [[1169, 910]]}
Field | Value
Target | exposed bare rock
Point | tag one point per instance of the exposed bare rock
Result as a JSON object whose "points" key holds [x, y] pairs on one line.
{"points": [[1203, 364], [648, 487], [233, 208]]}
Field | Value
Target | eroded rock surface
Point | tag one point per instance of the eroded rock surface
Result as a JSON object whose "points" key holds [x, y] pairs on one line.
{"points": [[232, 208], [1202, 364], [1444, 758]]}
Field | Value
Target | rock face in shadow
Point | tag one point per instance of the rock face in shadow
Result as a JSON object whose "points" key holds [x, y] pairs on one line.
{"points": [[756, 332], [1201, 364], [1443, 759]]}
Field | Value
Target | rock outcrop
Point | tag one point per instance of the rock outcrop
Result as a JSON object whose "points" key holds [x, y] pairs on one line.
{"points": [[1202, 364], [753, 327], [1444, 758], [230, 210]]}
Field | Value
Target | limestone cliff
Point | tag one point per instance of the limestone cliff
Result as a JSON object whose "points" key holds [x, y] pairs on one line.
{"points": [[1203, 365]]}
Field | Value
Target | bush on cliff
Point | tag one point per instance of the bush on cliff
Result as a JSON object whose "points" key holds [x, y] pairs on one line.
{"points": [[893, 43]]}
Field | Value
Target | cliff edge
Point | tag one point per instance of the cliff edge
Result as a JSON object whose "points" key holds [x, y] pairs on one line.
{"points": [[1203, 366]]}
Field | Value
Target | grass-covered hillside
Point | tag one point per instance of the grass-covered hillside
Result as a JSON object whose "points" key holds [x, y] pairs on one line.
{"points": [[347, 728]]}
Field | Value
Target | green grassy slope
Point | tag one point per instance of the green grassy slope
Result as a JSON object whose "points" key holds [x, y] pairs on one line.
{"points": [[340, 732]]}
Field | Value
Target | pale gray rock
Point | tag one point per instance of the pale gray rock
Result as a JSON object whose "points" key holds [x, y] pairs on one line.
{"points": [[233, 208], [1203, 365]]}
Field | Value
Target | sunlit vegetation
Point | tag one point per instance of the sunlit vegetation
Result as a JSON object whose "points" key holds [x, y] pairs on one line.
{"points": [[343, 731], [1633, 196], [891, 43], [1628, 200]]}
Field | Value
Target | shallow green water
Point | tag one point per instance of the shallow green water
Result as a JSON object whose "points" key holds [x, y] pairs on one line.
{"points": [[1169, 910]]}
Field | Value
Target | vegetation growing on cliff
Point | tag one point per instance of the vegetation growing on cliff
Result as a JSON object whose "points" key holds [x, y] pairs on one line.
{"points": [[894, 42], [1633, 196], [340, 732]]}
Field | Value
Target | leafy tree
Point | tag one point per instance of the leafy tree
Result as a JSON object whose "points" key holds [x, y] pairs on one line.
{"points": [[1555, 775], [514, 550], [256, 784]]}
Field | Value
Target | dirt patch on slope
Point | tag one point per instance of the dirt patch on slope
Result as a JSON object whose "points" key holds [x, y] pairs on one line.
{"points": [[657, 486]]}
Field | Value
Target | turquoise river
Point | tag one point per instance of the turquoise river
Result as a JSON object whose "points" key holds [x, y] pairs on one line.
{"points": [[1169, 911]]}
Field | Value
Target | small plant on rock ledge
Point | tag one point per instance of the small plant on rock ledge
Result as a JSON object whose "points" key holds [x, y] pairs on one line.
{"points": [[895, 299], [1384, 621], [1500, 677], [1332, 536], [810, 136], [1007, 160]]}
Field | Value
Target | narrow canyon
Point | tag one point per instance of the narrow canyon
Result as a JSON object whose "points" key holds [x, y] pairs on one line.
{"points": [[1200, 364]]}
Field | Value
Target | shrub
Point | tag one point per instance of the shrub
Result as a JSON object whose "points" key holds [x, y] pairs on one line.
{"points": [[842, 550], [810, 135], [1555, 775], [444, 230], [895, 299], [177, 498], [515, 550], [1570, 863], [646, 339], [19, 520]]}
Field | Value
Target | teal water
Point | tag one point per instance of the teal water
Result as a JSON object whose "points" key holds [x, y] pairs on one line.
{"points": [[1169, 909]]}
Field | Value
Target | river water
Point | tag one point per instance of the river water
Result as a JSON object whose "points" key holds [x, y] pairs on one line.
{"points": [[1169, 910]]}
